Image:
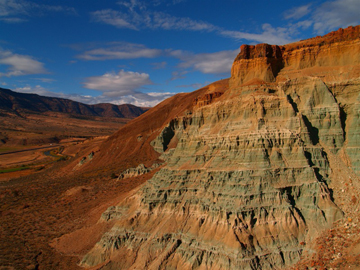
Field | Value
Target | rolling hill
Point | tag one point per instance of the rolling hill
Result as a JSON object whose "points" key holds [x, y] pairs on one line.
{"points": [[11, 101]]}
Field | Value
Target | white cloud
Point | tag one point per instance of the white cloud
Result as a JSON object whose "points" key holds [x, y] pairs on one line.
{"points": [[159, 65], [150, 101], [20, 64], [45, 80], [334, 14], [329, 16], [12, 11], [47, 8], [13, 7], [303, 24], [132, 4], [36, 90], [271, 35], [168, 22], [178, 75], [138, 17], [123, 87], [120, 84], [120, 50], [160, 94], [12, 20], [143, 4], [141, 100], [135, 15], [298, 12], [209, 63], [112, 17]]}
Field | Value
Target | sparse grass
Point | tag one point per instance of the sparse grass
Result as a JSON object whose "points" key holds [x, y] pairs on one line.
{"points": [[34, 213], [16, 169], [55, 153], [8, 149], [62, 158]]}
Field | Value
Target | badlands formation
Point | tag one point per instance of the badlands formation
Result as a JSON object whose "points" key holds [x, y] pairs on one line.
{"points": [[249, 169]]}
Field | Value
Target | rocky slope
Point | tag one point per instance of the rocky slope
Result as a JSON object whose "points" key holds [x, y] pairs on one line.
{"points": [[20, 103], [252, 166]]}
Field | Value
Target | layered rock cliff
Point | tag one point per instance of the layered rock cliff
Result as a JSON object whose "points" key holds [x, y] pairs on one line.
{"points": [[325, 57], [247, 168]]}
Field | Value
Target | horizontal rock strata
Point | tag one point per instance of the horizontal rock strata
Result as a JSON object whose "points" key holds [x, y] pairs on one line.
{"points": [[245, 184], [325, 56]]}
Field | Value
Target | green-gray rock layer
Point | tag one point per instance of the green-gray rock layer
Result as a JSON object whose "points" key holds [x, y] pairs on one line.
{"points": [[246, 185]]}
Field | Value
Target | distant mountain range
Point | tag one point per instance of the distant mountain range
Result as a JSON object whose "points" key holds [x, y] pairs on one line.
{"points": [[11, 101]]}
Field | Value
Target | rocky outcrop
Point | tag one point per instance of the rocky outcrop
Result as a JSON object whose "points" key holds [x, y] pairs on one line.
{"points": [[247, 174], [139, 170], [84, 160], [262, 61], [333, 57]]}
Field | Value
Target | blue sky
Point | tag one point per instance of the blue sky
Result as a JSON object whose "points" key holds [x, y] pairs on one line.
{"points": [[141, 52]]}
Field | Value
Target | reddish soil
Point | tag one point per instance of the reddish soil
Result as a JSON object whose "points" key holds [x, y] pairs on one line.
{"points": [[42, 203], [48, 220], [38, 209], [131, 144], [35, 129]]}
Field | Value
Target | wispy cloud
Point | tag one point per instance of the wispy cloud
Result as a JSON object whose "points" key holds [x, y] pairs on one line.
{"points": [[279, 35], [119, 50], [326, 17], [214, 63], [45, 80], [113, 17], [208, 63], [136, 15], [176, 75], [335, 14], [298, 12], [140, 19], [12, 20], [19, 65], [159, 65], [167, 22], [16, 11], [152, 2], [13, 7]]}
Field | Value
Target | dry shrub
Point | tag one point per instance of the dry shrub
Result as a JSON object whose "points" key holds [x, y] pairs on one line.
{"points": [[353, 199]]}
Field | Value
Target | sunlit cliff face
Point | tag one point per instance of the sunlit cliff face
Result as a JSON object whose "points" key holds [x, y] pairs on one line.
{"points": [[245, 182]]}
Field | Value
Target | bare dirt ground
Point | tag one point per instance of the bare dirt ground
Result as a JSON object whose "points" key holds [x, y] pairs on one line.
{"points": [[41, 214], [23, 161], [44, 204], [30, 143], [35, 129]]}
